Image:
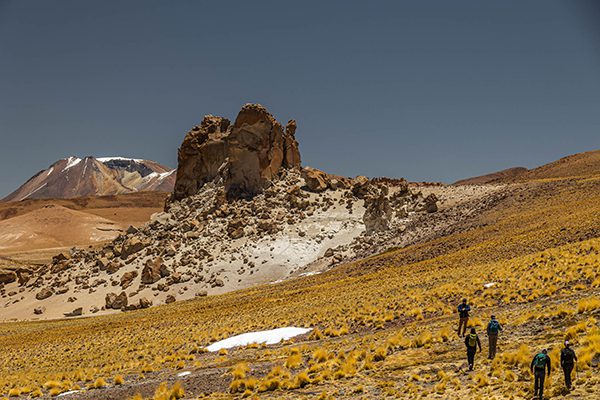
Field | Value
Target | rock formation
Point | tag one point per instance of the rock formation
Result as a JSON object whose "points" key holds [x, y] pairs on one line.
{"points": [[244, 156]]}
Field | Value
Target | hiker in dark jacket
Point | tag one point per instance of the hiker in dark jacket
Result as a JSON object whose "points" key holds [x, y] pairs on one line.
{"points": [[493, 329], [472, 342], [539, 364], [567, 362], [463, 313]]}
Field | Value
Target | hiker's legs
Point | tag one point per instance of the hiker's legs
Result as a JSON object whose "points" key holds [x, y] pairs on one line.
{"points": [[493, 342], [542, 379], [567, 369], [471, 358], [462, 326], [536, 384]]}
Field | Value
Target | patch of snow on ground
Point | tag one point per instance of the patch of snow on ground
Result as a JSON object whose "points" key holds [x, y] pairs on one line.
{"points": [[268, 337], [184, 373], [489, 285], [68, 393], [33, 191]]}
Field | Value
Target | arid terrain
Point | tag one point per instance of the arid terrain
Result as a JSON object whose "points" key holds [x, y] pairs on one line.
{"points": [[374, 269]]}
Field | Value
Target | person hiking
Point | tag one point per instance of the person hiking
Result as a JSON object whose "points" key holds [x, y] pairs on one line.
{"points": [[472, 341], [567, 362], [463, 313], [539, 364], [493, 329]]}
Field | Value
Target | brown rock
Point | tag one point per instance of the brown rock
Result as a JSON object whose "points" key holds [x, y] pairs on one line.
{"points": [[102, 263], [113, 267], [131, 246], [378, 214], [152, 270], [61, 257], [170, 299], [145, 303], [116, 302], [316, 180], [44, 294], [127, 278], [39, 310], [244, 156], [431, 203], [7, 276], [75, 313]]}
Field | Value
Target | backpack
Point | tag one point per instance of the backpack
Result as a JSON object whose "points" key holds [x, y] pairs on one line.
{"points": [[472, 340], [494, 326], [568, 356], [540, 360]]}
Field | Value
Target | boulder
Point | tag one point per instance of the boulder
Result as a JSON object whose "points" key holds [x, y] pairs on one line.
{"points": [[7, 276], [378, 214], [75, 313], [170, 299], [316, 180], [145, 303], [244, 156], [44, 294], [431, 203], [360, 186], [152, 270], [39, 310], [131, 246], [61, 257], [116, 302], [113, 267], [127, 278]]}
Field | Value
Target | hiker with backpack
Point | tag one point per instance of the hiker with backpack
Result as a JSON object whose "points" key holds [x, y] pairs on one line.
{"points": [[567, 362], [472, 341], [463, 313], [493, 329], [539, 364]]}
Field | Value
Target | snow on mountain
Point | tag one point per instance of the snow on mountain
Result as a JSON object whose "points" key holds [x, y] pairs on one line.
{"points": [[75, 177]]}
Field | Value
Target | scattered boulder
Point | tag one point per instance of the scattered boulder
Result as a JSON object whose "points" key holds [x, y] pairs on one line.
{"points": [[145, 303], [378, 214], [7, 276], [127, 279], [170, 299], [39, 310], [431, 203], [44, 294], [113, 267], [116, 302], [64, 256], [75, 313], [316, 180], [131, 246], [152, 270]]}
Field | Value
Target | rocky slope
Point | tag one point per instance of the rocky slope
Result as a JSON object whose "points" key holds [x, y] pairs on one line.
{"points": [[75, 177], [244, 214]]}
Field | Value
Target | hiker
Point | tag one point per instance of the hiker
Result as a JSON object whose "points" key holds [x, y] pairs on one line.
{"points": [[472, 341], [463, 313], [493, 329], [539, 364], [567, 362]]}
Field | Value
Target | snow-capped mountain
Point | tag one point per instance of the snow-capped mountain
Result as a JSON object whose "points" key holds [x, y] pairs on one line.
{"points": [[89, 176]]}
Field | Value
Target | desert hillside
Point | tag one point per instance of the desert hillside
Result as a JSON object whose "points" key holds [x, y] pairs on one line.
{"points": [[378, 320], [575, 166]]}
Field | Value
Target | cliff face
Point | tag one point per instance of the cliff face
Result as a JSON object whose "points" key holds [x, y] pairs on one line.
{"points": [[244, 157]]}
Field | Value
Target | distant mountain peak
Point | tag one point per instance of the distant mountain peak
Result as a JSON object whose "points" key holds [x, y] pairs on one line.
{"points": [[89, 176]]}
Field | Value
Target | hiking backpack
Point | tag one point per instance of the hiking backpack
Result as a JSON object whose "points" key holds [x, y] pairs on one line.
{"points": [[494, 326], [540, 360], [472, 340]]}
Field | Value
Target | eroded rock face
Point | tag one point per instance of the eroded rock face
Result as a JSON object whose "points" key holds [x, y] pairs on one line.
{"points": [[244, 156], [378, 214], [316, 180]]}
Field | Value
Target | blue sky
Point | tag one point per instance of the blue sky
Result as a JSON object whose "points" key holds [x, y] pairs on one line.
{"points": [[427, 90]]}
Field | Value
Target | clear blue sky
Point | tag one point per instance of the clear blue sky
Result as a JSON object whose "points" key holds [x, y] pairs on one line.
{"points": [[428, 90]]}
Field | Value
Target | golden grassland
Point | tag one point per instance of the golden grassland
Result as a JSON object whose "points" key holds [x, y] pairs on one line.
{"points": [[384, 326]]}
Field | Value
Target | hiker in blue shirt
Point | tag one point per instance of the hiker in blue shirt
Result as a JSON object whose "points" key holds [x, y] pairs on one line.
{"points": [[493, 329], [463, 313], [539, 364]]}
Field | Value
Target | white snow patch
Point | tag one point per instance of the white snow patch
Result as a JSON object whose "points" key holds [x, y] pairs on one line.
{"points": [[68, 393], [49, 171], [268, 337], [184, 373], [71, 162], [35, 190], [107, 159], [489, 285]]}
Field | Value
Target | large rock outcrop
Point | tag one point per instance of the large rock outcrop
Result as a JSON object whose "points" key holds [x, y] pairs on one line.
{"points": [[244, 156]]}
